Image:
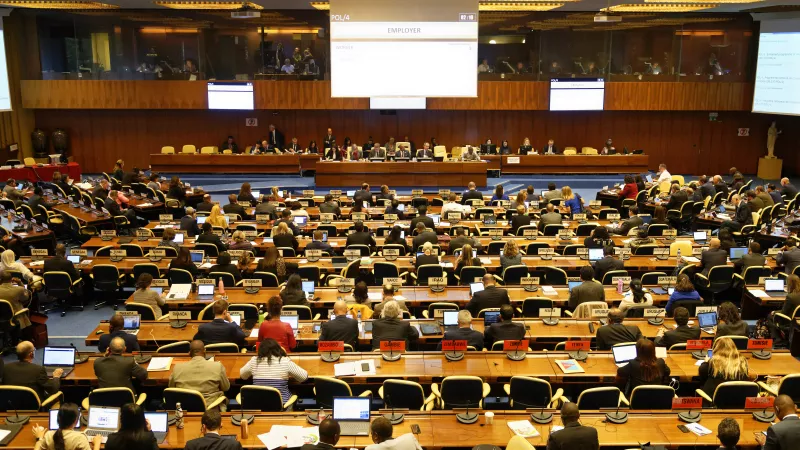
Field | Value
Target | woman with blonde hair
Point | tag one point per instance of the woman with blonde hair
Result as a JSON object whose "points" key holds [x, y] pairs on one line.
{"points": [[511, 255], [521, 198], [240, 242], [465, 259], [216, 218], [726, 364], [274, 196], [574, 201], [283, 237]]}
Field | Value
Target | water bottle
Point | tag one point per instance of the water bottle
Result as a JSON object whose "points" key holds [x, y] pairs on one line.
{"points": [[679, 254], [619, 285], [178, 416]]}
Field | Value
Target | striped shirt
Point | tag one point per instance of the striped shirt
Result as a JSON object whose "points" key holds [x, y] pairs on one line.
{"points": [[275, 374]]}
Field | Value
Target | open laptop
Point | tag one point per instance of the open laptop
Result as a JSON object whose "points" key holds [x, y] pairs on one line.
{"points": [[236, 317], [201, 220], [490, 317], [351, 193], [649, 178], [292, 320], [178, 238], [157, 289], [595, 254], [436, 218], [352, 413], [450, 320], [700, 237], [474, 288], [623, 354], [572, 284], [158, 424], [300, 220], [774, 286], [130, 324], [197, 256], [103, 420], [707, 321], [74, 259], [205, 292], [309, 288], [738, 252], [53, 425], [59, 358]]}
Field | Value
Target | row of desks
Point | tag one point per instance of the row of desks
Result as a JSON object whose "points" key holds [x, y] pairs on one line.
{"points": [[431, 367], [440, 429]]}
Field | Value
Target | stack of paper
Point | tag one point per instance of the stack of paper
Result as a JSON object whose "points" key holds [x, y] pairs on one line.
{"points": [[159, 364], [698, 429], [523, 428], [289, 436], [179, 291], [759, 293], [549, 290], [254, 332], [691, 259], [570, 366]]}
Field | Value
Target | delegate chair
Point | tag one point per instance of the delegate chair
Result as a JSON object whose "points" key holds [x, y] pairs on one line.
{"points": [[115, 397], [789, 385], [651, 397], [405, 395], [599, 397], [326, 388], [144, 310], [263, 398], [174, 347], [26, 399], [438, 306], [719, 279], [530, 392], [190, 400], [167, 150], [458, 391], [730, 394]]}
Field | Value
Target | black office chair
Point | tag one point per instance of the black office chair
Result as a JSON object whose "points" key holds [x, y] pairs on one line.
{"points": [[405, 394], [268, 279], [513, 275], [190, 400], [657, 229], [599, 397], [585, 229], [249, 313], [651, 278], [228, 280], [438, 306], [532, 249], [109, 281], [114, 397], [132, 250], [730, 394], [326, 388], [150, 268], [495, 247], [459, 391], [469, 274], [427, 271], [719, 279], [554, 276], [145, 311], [690, 305], [789, 385], [532, 305], [263, 398], [611, 274], [180, 276], [650, 397], [25, 399], [752, 274], [60, 286], [208, 249], [530, 392]]}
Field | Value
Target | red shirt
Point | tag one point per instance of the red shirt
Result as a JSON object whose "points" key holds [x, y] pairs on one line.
{"points": [[629, 191], [281, 332]]}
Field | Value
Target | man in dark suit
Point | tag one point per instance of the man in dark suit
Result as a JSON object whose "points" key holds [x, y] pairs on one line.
{"points": [[266, 209], [35, 200], [360, 236], [588, 291], [490, 297], [720, 186], [110, 204], [59, 263], [551, 217], [742, 215], [772, 190], [764, 196], [317, 244], [682, 333], [221, 329], [464, 332], [422, 217], [377, 152], [205, 205], [233, 207], [753, 202], [341, 327], [789, 258], [293, 147], [363, 195], [713, 257], [210, 425], [286, 217], [275, 137], [677, 198], [788, 190], [520, 219], [115, 330], [101, 190], [706, 187], [461, 240], [424, 152], [27, 374], [752, 258], [189, 223], [131, 177], [573, 436], [116, 370], [781, 435], [330, 207], [208, 237], [329, 139], [607, 263], [549, 148], [470, 194], [329, 432], [229, 144], [633, 221], [615, 332], [404, 152], [505, 329], [394, 208], [423, 237]]}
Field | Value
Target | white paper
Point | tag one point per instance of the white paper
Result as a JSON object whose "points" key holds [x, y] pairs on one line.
{"points": [[354, 368], [272, 440], [691, 259], [303, 261], [759, 293], [556, 428], [4, 433], [699, 362], [549, 290], [698, 429], [399, 297], [661, 352], [446, 264], [254, 332], [375, 296], [486, 261], [205, 265], [523, 428], [144, 205], [159, 363], [179, 292]]}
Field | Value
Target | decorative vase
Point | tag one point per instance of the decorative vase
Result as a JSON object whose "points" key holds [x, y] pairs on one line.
{"points": [[60, 141], [39, 141]]}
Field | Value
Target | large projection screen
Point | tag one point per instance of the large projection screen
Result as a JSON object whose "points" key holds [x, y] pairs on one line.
{"points": [[414, 48], [5, 93], [777, 89]]}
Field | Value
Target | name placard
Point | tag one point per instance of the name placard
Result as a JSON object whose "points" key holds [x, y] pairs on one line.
{"points": [[698, 344], [78, 252], [108, 233], [512, 160], [653, 312], [180, 315], [667, 280], [393, 346], [759, 344], [599, 312], [251, 282], [759, 402], [118, 253], [573, 346], [549, 312], [437, 282], [330, 346], [165, 218], [452, 345], [395, 283], [205, 281], [687, 403], [515, 346], [160, 282], [308, 193], [545, 251]]}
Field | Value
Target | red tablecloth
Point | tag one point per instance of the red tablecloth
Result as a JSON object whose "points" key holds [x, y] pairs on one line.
{"points": [[44, 173]]}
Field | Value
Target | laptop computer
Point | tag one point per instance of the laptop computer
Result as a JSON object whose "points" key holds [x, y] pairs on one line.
{"points": [[130, 324], [649, 178], [595, 254], [623, 354], [774, 286], [205, 292], [54, 420], [300, 220], [197, 256], [158, 424], [352, 413], [700, 237], [450, 320], [201, 220], [738, 252], [236, 317], [59, 358], [103, 420], [436, 218], [339, 262], [309, 288], [401, 207], [490, 317], [292, 320], [707, 321], [572, 284], [74, 259], [157, 289], [474, 288], [178, 238]]}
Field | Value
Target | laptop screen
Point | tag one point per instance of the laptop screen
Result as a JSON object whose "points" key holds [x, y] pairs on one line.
{"points": [[475, 287], [300, 220], [700, 236], [351, 193], [490, 317], [324, 236], [308, 287], [59, 356], [707, 320], [773, 285], [106, 418], [179, 238], [201, 220], [595, 254], [205, 289], [401, 207], [157, 289], [572, 284], [74, 259], [624, 353], [738, 252], [435, 218], [197, 255], [293, 321], [236, 317], [131, 322], [649, 178], [351, 408], [54, 420], [450, 318], [158, 421]]}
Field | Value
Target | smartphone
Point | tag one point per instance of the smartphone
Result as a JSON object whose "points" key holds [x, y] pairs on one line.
{"points": [[683, 428], [365, 366], [710, 353], [368, 326], [317, 327], [415, 429]]}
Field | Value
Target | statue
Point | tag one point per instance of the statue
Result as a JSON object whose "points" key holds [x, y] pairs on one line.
{"points": [[772, 136]]}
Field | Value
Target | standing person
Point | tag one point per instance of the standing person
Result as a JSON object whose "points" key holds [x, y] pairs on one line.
{"points": [[573, 436], [134, 431], [65, 437], [271, 367]]}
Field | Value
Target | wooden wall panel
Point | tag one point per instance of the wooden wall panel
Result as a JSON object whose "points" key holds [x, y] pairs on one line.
{"points": [[687, 141], [315, 95]]}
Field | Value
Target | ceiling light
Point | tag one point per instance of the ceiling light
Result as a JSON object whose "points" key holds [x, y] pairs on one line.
{"points": [[660, 7], [322, 6], [45, 4], [180, 4], [518, 6], [492, 41], [523, 40]]}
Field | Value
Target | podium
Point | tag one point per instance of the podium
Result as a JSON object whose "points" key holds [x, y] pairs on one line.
{"points": [[770, 168]]}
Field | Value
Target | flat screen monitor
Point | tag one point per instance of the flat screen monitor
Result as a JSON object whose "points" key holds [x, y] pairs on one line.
{"points": [[230, 95], [577, 94]]}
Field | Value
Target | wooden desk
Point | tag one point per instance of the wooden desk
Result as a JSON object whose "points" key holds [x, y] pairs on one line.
{"points": [[576, 164], [417, 174], [219, 163], [439, 429]]}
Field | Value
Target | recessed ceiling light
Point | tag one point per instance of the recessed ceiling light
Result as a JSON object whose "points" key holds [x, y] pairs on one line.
{"points": [[222, 5], [492, 41], [519, 6], [45, 4], [660, 7]]}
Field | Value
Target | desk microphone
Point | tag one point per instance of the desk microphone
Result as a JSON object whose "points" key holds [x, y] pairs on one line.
{"points": [[78, 358], [465, 417], [617, 417], [550, 320], [764, 416], [312, 416], [655, 320], [17, 419], [238, 419], [540, 417], [393, 418]]}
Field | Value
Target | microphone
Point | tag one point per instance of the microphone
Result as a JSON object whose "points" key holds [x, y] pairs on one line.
{"points": [[312, 416], [764, 416], [540, 417], [617, 417], [688, 417], [550, 321], [466, 418], [655, 320], [78, 358], [17, 419], [393, 418], [516, 356], [238, 419]]}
